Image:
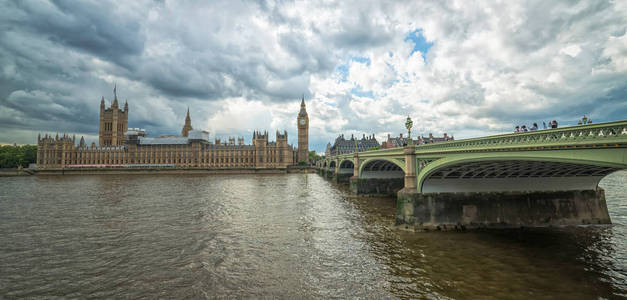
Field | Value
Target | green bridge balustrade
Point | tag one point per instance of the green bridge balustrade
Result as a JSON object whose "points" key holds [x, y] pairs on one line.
{"points": [[552, 160]]}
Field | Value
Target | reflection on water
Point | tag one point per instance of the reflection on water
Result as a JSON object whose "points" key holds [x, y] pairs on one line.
{"points": [[288, 236]]}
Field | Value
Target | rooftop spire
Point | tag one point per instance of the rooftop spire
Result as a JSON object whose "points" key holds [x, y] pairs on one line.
{"points": [[188, 124], [115, 97], [303, 109]]}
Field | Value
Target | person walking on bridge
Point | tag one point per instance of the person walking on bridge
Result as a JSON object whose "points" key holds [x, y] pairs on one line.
{"points": [[534, 127]]}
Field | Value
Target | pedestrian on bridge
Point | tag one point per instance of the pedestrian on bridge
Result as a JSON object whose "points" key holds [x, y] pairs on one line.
{"points": [[534, 127]]}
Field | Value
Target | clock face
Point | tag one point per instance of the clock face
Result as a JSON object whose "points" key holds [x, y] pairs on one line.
{"points": [[302, 121]]}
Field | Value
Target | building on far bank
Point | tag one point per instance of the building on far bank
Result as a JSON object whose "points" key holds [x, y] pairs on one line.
{"points": [[113, 123], [120, 146], [303, 134], [343, 146]]}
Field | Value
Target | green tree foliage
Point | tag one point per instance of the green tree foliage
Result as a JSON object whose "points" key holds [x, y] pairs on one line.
{"points": [[14, 156], [313, 156], [374, 148]]}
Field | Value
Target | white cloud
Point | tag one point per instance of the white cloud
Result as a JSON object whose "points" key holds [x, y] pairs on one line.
{"points": [[571, 50], [242, 66]]}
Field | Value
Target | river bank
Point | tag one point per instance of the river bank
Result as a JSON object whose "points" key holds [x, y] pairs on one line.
{"points": [[138, 171], [16, 172]]}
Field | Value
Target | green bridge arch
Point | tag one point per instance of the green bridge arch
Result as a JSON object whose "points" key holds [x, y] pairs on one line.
{"points": [[599, 162], [363, 164]]}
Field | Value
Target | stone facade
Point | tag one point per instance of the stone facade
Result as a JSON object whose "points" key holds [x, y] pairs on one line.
{"points": [[444, 211], [191, 150], [303, 133], [188, 125], [113, 123], [343, 146]]}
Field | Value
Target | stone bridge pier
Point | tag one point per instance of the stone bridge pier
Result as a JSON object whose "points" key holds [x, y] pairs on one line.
{"points": [[501, 194]]}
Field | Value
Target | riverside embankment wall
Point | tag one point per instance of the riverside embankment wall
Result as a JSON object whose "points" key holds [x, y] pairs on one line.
{"points": [[120, 171]]}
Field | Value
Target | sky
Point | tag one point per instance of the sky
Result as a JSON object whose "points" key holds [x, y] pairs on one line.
{"points": [[467, 68]]}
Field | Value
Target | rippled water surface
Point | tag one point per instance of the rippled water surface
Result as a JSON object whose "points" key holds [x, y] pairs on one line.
{"points": [[284, 236]]}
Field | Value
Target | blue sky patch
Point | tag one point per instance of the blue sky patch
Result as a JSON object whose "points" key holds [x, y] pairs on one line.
{"points": [[343, 68], [361, 59], [357, 91], [420, 43]]}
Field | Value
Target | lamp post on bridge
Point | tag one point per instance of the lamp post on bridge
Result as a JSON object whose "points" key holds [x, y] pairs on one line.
{"points": [[408, 125]]}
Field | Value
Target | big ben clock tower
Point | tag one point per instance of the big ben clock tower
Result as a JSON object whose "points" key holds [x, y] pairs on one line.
{"points": [[303, 133]]}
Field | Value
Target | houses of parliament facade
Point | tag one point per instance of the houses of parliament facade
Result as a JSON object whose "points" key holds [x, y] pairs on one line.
{"points": [[123, 147]]}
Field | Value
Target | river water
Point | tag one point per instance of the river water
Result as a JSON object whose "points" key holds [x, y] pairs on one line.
{"points": [[279, 236]]}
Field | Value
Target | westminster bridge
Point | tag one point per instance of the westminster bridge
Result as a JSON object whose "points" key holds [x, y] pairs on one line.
{"points": [[537, 178]]}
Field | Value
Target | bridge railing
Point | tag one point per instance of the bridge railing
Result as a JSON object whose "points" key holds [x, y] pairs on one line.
{"points": [[599, 133], [581, 134]]}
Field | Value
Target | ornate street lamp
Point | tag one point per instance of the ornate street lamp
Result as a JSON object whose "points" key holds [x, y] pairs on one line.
{"points": [[408, 125], [585, 120]]}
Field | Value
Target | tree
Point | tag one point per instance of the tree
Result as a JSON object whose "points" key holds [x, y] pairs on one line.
{"points": [[313, 156], [14, 156]]}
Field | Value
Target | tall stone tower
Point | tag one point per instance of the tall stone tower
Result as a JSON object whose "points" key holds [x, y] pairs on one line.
{"points": [[303, 133], [113, 122], [188, 125]]}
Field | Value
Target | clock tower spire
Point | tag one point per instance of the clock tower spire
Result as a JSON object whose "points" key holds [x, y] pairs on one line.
{"points": [[303, 133]]}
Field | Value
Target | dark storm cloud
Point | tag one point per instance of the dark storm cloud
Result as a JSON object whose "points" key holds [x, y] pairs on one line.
{"points": [[360, 32], [94, 27]]}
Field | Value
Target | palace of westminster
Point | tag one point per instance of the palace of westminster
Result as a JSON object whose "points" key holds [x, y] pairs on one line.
{"points": [[120, 146]]}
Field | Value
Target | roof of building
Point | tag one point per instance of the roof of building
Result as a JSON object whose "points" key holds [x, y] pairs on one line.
{"points": [[163, 140], [342, 145]]}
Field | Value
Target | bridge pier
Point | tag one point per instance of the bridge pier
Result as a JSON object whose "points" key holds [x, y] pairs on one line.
{"points": [[341, 178], [375, 186], [405, 197], [445, 211]]}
